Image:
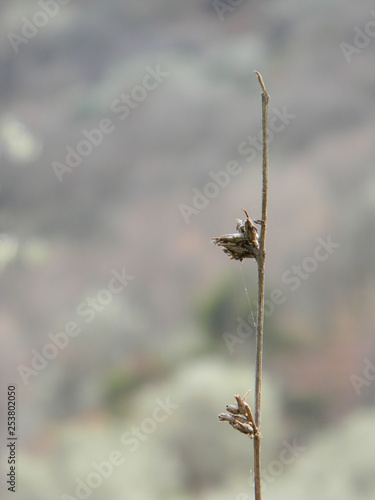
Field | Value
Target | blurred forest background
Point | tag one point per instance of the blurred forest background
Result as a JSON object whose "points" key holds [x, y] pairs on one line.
{"points": [[163, 339]]}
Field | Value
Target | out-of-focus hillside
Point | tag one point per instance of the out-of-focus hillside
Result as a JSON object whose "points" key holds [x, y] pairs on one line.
{"points": [[125, 206]]}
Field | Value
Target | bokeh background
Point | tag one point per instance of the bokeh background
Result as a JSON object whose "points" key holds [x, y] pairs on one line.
{"points": [[141, 381]]}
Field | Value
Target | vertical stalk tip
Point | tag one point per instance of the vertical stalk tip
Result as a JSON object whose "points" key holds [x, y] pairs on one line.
{"points": [[260, 80]]}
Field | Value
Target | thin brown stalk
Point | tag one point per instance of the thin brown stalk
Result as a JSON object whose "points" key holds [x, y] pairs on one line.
{"points": [[241, 245], [260, 319]]}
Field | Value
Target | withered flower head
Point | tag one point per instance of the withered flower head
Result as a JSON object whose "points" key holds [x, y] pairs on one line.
{"points": [[244, 243]]}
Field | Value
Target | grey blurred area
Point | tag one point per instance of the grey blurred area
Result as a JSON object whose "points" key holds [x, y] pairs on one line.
{"points": [[128, 138]]}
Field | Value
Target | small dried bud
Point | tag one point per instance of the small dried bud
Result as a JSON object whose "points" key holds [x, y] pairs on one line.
{"points": [[232, 409], [225, 417], [242, 244], [244, 428], [240, 417]]}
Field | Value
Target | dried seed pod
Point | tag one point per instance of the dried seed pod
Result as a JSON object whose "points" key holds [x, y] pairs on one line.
{"points": [[242, 244], [240, 417], [225, 417], [245, 428], [232, 409]]}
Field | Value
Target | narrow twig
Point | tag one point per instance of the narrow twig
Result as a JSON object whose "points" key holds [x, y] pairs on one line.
{"points": [[261, 269], [245, 243]]}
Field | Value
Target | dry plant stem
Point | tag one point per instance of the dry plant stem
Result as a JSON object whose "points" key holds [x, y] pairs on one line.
{"points": [[261, 268], [240, 245]]}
